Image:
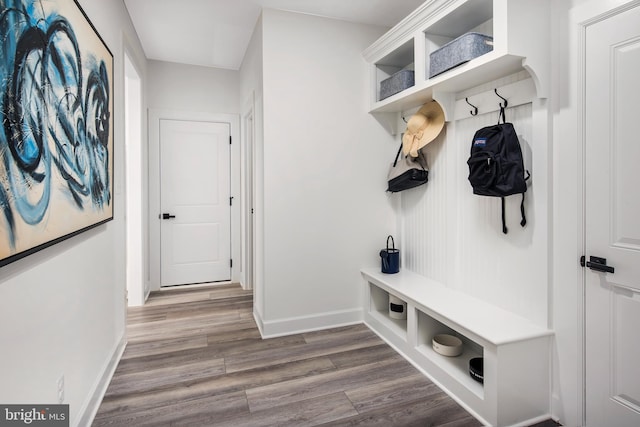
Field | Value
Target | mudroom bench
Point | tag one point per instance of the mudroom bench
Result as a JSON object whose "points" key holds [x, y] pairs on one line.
{"points": [[516, 352]]}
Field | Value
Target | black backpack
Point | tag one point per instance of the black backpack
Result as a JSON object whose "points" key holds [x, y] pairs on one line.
{"points": [[496, 167]]}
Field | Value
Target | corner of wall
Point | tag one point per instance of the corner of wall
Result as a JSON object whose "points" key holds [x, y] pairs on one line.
{"points": [[94, 399]]}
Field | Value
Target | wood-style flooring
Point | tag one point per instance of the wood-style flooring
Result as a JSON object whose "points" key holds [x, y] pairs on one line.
{"points": [[195, 358]]}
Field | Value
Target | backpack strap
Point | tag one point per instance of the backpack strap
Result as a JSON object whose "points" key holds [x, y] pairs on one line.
{"points": [[502, 115], [395, 162], [504, 224], [523, 222], [524, 218]]}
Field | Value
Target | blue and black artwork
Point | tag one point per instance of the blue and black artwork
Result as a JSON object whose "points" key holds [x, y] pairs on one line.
{"points": [[55, 142]]}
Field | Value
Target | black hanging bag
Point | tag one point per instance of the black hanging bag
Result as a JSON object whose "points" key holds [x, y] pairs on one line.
{"points": [[407, 172], [496, 167]]}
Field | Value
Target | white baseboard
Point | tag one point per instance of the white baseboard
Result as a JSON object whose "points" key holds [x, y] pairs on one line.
{"points": [[296, 325], [92, 404], [258, 318]]}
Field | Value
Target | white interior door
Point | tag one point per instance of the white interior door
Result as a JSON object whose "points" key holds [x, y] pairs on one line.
{"points": [[613, 220], [195, 241]]}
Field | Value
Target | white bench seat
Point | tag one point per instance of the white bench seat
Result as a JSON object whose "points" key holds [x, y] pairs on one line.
{"points": [[516, 351]]}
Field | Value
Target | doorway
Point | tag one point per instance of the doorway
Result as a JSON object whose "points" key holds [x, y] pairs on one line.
{"points": [[155, 209], [248, 199], [195, 198], [137, 290], [612, 231]]}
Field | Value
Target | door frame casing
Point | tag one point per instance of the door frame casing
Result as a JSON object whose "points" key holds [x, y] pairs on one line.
{"points": [[615, 7], [136, 271], [248, 158], [155, 115], [567, 305], [568, 206]]}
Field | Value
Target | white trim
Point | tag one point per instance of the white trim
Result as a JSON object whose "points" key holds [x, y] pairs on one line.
{"points": [[405, 29], [259, 321], [135, 216], [155, 115], [247, 190], [580, 221], [92, 403], [568, 306], [316, 322], [592, 13]]}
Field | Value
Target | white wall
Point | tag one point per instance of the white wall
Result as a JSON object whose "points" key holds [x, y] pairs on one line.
{"points": [[62, 310], [252, 98], [192, 88], [567, 357], [455, 237], [326, 214], [136, 166]]}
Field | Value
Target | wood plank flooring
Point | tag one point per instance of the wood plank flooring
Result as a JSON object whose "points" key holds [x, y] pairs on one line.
{"points": [[195, 358]]}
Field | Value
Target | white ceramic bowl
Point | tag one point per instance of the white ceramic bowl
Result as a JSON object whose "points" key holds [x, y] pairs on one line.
{"points": [[447, 345]]}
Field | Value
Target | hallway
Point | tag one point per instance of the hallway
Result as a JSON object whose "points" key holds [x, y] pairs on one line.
{"points": [[195, 357]]}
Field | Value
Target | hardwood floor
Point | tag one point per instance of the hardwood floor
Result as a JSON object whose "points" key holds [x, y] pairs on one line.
{"points": [[195, 358]]}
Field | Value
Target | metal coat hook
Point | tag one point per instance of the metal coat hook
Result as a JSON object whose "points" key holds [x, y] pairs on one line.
{"points": [[505, 101], [473, 112]]}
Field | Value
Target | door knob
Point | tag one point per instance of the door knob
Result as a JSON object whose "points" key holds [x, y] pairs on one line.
{"points": [[167, 216], [597, 264]]}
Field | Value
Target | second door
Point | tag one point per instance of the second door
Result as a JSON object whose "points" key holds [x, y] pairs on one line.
{"points": [[195, 199]]}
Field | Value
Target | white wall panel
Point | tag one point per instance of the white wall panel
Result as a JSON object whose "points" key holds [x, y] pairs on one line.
{"points": [[62, 309], [193, 88], [424, 217], [453, 236], [497, 267], [325, 160]]}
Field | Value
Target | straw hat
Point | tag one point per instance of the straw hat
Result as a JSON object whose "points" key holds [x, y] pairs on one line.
{"points": [[422, 128]]}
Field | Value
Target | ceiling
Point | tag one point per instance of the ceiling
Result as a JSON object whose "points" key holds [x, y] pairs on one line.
{"points": [[215, 33]]}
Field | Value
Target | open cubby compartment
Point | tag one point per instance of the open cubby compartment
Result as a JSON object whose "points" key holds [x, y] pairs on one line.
{"points": [[471, 16], [457, 366], [399, 59], [379, 309], [520, 31], [516, 351]]}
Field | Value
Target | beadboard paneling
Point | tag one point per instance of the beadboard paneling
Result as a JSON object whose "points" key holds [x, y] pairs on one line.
{"points": [[424, 217], [455, 237]]}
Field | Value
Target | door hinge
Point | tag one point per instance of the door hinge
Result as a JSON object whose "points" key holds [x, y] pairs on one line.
{"points": [[231, 201], [230, 263], [582, 259], [230, 137]]}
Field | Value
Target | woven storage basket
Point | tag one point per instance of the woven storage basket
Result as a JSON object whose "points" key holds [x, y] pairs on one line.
{"points": [[398, 82], [457, 52]]}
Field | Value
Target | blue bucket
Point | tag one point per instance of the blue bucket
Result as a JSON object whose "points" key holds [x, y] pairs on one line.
{"points": [[390, 258]]}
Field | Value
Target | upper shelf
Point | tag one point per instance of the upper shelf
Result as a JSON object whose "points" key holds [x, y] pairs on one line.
{"points": [[520, 41]]}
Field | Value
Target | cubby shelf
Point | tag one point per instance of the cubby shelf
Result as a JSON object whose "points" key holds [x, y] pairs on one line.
{"points": [[515, 350], [457, 367], [520, 41]]}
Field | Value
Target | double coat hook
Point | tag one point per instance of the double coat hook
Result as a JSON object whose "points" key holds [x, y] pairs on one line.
{"points": [[474, 112], [505, 101]]}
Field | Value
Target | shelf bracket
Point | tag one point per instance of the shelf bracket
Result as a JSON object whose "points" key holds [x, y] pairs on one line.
{"points": [[448, 103], [389, 121]]}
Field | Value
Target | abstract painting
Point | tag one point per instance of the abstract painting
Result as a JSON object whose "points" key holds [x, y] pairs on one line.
{"points": [[56, 133]]}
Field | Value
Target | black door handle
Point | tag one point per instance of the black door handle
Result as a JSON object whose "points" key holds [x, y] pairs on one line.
{"points": [[599, 264], [167, 216]]}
